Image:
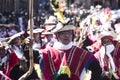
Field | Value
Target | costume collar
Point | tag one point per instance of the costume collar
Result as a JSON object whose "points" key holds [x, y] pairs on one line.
{"points": [[60, 46]]}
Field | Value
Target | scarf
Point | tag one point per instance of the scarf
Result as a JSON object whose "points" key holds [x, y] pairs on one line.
{"points": [[60, 46]]}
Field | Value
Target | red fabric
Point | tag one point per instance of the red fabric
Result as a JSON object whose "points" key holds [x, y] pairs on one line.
{"points": [[116, 56], [64, 60], [12, 62], [57, 58], [43, 46], [4, 70]]}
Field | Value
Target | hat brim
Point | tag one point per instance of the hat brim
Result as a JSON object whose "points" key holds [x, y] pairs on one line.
{"points": [[67, 27], [61, 27], [14, 36], [50, 27], [107, 34], [39, 30], [45, 33]]}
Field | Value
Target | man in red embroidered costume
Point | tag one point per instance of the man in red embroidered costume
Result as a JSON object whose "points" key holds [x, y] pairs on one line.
{"points": [[109, 55], [7, 61], [21, 56], [64, 61], [49, 38]]}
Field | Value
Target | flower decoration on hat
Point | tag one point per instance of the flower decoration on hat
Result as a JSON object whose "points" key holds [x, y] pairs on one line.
{"points": [[59, 8]]}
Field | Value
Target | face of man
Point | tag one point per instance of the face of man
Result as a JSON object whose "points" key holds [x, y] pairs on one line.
{"points": [[49, 36], [36, 36], [65, 37], [17, 41], [2, 51], [106, 42]]}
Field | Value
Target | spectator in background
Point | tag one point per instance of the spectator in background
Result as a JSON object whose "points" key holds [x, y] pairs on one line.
{"points": [[38, 42], [7, 61], [109, 55], [22, 56], [49, 37], [12, 29]]}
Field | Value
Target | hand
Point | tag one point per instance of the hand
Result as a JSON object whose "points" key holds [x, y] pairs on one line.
{"points": [[108, 75], [23, 65], [29, 42]]}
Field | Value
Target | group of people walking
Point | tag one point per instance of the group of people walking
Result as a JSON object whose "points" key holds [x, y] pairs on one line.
{"points": [[57, 54]]}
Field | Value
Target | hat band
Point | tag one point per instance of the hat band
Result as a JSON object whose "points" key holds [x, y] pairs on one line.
{"points": [[50, 24]]}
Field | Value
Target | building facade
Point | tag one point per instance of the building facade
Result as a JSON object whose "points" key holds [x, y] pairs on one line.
{"points": [[17, 5], [113, 4]]}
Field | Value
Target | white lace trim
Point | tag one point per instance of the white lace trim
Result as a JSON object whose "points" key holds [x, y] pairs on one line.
{"points": [[60, 46]]}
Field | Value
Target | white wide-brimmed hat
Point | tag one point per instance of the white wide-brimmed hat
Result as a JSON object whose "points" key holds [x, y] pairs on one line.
{"points": [[51, 19], [60, 27], [50, 23], [47, 32], [107, 34], [11, 38], [38, 30]]}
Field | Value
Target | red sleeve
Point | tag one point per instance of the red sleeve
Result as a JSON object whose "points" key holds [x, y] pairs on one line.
{"points": [[12, 62]]}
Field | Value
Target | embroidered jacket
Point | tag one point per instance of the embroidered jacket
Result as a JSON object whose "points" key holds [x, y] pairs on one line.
{"points": [[76, 58]]}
